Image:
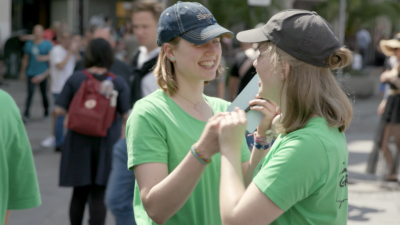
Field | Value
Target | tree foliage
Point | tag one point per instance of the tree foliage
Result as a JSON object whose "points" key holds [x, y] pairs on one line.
{"points": [[231, 12], [359, 12]]}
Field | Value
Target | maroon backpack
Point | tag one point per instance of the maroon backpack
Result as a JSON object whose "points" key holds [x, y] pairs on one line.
{"points": [[90, 113]]}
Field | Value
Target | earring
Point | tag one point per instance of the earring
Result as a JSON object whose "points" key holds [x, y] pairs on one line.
{"points": [[172, 59]]}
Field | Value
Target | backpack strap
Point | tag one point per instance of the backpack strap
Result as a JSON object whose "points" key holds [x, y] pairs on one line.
{"points": [[111, 74], [88, 75]]}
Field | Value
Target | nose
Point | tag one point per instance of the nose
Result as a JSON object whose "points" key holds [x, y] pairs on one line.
{"points": [[212, 49]]}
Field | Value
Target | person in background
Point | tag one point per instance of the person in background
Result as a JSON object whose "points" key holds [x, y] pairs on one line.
{"points": [[86, 160], [19, 187], [118, 67], [172, 133], [390, 105], [35, 69], [363, 39], [145, 17], [130, 41], [51, 33], [302, 178], [63, 57]]}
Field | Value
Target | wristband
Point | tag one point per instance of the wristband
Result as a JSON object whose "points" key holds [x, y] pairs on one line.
{"points": [[263, 143], [199, 157]]}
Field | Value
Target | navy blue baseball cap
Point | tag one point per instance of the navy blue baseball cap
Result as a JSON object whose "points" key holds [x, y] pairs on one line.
{"points": [[191, 21]]}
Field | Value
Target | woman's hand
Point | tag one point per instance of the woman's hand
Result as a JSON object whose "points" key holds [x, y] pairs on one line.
{"points": [[269, 109], [381, 107], [231, 131], [208, 144]]}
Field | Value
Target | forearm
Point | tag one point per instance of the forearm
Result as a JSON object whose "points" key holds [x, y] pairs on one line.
{"points": [[45, 74], [255, 158], [59, 111], [7, 217], [231, 186], [62, 64], [24, 64], [165, 198]]}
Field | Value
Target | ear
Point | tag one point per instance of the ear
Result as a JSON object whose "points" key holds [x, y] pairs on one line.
{"points": [[169, 52], [285, 71]]}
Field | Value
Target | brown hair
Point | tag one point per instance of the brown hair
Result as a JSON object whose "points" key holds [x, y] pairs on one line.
{"points": [[165, 73], [156, 8], [312, 90]]}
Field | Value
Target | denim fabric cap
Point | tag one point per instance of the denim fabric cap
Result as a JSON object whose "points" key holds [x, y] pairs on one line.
{"points": [[191, 21], [302, 34]]}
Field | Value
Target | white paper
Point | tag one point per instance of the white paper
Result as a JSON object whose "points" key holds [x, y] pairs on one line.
{"points": [[242, 101]]}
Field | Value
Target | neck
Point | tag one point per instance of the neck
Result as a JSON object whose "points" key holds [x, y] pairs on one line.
{"points": [[151, 48], [38, 39], [191, 90], [97, 70]]}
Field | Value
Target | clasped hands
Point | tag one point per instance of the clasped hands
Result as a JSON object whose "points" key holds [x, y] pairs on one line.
{"points": [[228, 128]]}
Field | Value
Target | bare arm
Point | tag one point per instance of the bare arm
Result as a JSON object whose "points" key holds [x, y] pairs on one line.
{"points": [[59, 111], [7, 217], [24, 65], [163, 194], [123, 126], [238, 205], [39, 78], [62, 64], [233, 87]]}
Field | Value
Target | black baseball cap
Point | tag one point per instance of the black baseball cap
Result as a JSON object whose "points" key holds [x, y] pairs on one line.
{"points": [[302, 34], [191, 21]]}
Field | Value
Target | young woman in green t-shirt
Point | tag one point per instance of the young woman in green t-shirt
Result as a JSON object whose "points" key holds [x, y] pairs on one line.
{"points": [[172, 133], [302, 178]]}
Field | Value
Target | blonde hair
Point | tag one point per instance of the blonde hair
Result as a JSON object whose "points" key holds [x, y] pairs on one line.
{"points": [[165, 72], [312, 90]]}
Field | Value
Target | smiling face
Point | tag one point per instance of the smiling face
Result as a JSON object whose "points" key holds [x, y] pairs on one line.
{"points": [[271, 79], [196, 62]]}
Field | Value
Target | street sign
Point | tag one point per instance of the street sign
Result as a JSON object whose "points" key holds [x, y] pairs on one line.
{"points": [[263, 3]]}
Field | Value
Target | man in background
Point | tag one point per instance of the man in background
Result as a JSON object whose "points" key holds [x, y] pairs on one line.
{"points": [[145, 18], [35, 69], [63, 58]]}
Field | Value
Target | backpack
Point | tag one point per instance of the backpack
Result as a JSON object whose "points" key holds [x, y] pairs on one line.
{"points": [[91, 113]]}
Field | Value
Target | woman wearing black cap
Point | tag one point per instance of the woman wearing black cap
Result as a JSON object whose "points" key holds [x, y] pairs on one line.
{"points": [[302, 178], [171, 147]]}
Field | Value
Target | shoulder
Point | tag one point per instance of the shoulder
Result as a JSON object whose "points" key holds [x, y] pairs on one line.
{"points": [[8, 104], [121, 64], [47, 43]]}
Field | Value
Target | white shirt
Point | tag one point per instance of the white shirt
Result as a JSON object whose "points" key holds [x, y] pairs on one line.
{"points": [[59, 77], [149, 83]]}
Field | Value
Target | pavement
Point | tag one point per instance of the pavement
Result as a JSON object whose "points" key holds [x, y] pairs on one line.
{"points": [[371, 201]]}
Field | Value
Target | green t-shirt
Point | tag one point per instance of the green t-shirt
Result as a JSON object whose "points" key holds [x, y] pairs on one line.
{"points": [[305, 174], [19, 187], [158, 130]]}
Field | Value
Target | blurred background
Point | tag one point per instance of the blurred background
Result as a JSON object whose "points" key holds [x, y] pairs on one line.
{"points": [[359, 24]]}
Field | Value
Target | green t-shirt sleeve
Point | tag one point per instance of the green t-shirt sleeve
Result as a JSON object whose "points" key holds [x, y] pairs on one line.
{"points": [[245, 152], [146, 135], [22, 180], [294, 171]]}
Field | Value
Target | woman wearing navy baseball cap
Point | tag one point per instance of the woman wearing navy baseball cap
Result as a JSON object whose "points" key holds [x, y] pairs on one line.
{"points": [[172, 134], [302, 178]]}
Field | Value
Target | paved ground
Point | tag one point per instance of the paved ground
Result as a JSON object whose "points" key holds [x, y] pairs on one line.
{"points": [[371, 201]]}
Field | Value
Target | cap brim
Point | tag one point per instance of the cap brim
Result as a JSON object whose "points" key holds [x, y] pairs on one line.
{"points": [[202, 35], [252, 36], [387, 46]]}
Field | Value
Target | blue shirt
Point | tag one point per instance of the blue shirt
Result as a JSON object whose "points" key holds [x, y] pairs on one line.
{"points": [[33, 50]]}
